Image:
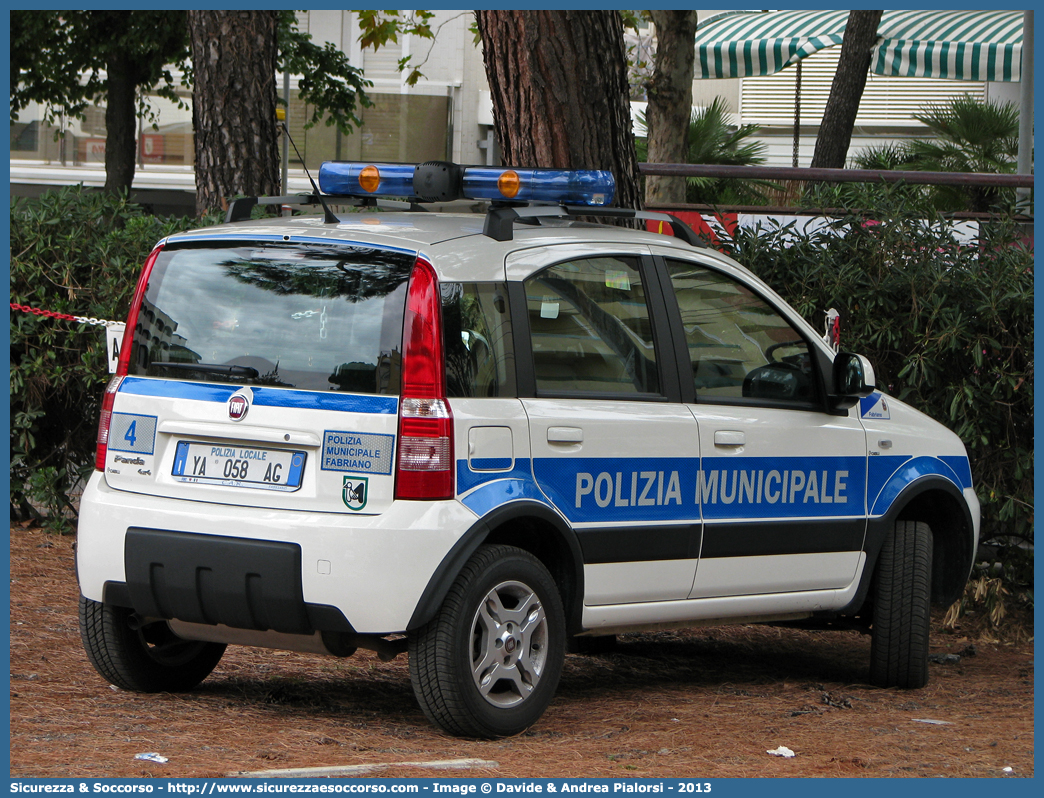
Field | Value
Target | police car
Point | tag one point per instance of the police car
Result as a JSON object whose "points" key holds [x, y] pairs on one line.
{"points": [[481, 439]]}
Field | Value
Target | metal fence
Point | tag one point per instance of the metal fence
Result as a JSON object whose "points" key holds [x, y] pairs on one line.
{"points": [[793, 178]]}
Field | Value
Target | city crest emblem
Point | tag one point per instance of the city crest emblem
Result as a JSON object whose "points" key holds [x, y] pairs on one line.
{"points": [[354, 492]]}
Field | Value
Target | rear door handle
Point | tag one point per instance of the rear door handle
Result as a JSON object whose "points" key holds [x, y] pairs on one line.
{"points": [[565, 435], [728, 437]]}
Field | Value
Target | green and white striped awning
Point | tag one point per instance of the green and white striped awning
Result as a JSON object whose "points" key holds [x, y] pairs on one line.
{"points": [[959, 45]]}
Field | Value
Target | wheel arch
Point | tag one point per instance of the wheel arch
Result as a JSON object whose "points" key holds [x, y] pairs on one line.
{"points": [[940, 504], [953, 554], [528, 525]]}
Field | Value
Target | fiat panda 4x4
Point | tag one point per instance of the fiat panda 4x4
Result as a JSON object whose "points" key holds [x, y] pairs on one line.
{"points": [[481, 439]]}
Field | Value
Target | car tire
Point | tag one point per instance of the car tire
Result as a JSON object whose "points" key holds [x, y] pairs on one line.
{"points": [[488, 664], [144, 658], [902, 605]]}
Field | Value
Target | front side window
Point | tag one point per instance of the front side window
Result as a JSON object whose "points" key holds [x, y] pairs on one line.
{"points": [[740, 347], [590, 327], [313, 317]]}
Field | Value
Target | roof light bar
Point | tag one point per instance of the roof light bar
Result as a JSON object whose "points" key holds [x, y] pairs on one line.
{"points": [[366, 179], [570, 187], [439, 181]]}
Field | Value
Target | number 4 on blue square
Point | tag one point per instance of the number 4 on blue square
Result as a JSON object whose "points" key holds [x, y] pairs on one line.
{"points": [[129, 432]]}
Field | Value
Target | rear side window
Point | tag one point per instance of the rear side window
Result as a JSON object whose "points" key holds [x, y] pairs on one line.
{"points": [[591, 329], [312, 317], [476, 329]]}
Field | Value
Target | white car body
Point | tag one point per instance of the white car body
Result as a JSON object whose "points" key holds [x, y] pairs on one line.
{"points": [[669, 507]]}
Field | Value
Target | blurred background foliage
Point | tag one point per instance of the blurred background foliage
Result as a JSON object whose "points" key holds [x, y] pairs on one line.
{"points": [[75, 251]]}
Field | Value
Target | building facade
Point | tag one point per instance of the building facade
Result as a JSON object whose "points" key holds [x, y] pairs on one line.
{"points": [[447, 115]]}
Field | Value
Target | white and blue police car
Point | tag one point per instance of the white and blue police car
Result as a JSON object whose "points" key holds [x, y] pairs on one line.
{"points": [[483, 438]]}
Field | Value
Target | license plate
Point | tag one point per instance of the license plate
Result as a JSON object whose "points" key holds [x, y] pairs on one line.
{"points": [[238, 466]]}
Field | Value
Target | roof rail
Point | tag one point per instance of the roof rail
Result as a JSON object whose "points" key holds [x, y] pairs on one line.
{"points": [[239, 209], [500, 220]]}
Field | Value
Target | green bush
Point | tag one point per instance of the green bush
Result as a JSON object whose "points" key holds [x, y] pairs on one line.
{"points": [[967, 135], [74, 251], [948, 327]]}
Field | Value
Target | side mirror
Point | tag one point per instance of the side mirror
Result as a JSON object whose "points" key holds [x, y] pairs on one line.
{"points": [[853, 378]]}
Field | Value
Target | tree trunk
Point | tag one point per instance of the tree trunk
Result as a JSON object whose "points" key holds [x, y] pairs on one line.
{"points": [[121, 120], [670, 101], [560, 92], [234, 105], [835, 133]]}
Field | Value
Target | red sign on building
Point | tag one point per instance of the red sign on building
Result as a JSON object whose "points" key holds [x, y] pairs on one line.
{"points": [[151, 147]]}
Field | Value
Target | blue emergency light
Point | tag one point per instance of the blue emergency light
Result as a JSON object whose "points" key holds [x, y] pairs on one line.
{"points": [[569, 187], [443, 182]]}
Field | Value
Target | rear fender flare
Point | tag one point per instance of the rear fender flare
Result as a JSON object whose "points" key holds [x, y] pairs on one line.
{"points": [[570, 574]]}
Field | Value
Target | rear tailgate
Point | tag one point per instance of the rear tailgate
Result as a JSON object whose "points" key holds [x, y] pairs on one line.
{"points": [[264, 374], [292, 449]]}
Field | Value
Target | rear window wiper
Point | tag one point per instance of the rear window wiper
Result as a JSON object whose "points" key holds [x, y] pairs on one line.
{"points": [[212, 368]]}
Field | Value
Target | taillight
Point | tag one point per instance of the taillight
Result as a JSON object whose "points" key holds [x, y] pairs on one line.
{"points": [[425, 461], [105, 420], [123, 366]]}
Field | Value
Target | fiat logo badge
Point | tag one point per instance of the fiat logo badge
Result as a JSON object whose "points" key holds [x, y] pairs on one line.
{"points": [[237, 407]]}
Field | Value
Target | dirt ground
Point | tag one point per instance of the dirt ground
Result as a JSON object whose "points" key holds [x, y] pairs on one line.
{"points": [[705, 704]]}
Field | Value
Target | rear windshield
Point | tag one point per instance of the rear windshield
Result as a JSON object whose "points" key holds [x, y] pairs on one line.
{"points": [[308, 316]]}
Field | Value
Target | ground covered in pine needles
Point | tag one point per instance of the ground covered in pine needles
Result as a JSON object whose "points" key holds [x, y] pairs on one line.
{"points": [[707, 703]]}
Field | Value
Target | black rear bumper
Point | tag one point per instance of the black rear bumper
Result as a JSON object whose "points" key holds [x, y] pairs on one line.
{"points": [[214, 579]]}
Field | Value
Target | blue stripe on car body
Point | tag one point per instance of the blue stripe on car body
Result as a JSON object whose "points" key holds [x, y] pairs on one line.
{"points": [[593, 490], [247, 239], [262, 397], [468, 480], [493, 494], [911, 470]]}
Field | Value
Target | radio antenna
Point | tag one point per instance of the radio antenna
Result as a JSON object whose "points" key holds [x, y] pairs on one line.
{"points": [[330, 218]]}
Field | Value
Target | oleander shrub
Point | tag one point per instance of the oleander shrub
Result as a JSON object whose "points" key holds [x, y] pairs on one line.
{"points": [[943, 310], [75, 251]]}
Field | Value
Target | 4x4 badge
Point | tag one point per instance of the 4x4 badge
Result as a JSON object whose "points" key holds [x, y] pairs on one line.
{"points": [[354, 493]]}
